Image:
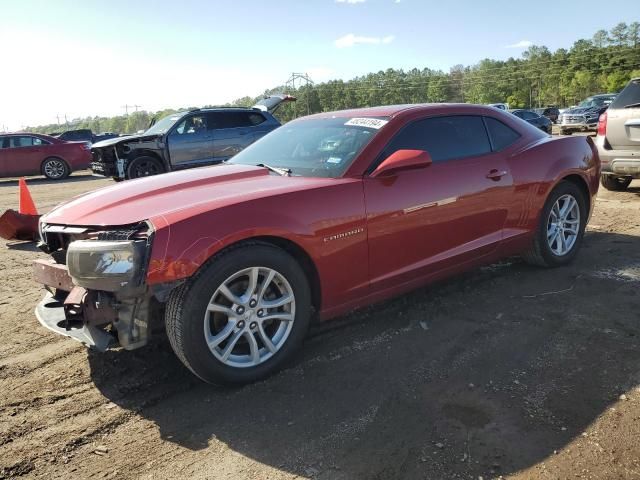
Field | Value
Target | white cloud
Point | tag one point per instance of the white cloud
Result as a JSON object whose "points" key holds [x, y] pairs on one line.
{"points": [[350, 40], [521, 44], [352, 2]]}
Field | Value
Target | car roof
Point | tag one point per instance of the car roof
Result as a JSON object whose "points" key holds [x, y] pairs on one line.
{"points": [[224, 109], [21, 134], [394, 110]]}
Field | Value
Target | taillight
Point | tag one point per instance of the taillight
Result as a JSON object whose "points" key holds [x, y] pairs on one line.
{"points": [[602, 124]]}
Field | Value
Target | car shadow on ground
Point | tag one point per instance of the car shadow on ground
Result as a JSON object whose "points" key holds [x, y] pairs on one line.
{"points": [[74, 177], [26, 246], [485, 374]]}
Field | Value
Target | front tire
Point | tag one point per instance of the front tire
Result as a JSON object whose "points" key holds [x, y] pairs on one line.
{"points": [[561, 227], [615, 184], [242, 316], [55, 168], [144, 166]]}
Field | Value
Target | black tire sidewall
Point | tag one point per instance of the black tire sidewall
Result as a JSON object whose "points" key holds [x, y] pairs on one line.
{"points": [[195, 351], [145, 158], [67, 170], [613, 183], [561, 189]]}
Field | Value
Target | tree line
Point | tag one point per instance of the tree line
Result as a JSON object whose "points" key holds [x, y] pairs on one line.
{"points": [[602, 64]]}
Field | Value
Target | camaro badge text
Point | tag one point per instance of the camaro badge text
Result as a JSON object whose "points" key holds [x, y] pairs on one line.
{"points": [[338, 236]]}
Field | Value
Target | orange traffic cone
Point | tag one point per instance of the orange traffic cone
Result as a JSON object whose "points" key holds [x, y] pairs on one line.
{"points": [[22, 225], [26, 205]]}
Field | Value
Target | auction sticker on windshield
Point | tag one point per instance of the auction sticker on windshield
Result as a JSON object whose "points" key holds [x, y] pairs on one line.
{"points": [[367, 122]]}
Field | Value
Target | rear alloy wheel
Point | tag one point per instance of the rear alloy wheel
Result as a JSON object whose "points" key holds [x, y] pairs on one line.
{"points": [[241, 316], [144, 167], [561, 228], [615, 184], [55, 169]]}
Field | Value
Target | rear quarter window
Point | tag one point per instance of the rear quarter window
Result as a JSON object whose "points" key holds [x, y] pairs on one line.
{"points": [[628, 96], [502, 136]]}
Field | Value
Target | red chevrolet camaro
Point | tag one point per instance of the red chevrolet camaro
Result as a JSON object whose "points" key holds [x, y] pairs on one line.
{"points": [[35, 154], [326, 214]]}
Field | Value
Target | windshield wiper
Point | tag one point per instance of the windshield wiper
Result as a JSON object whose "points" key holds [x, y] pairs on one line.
{"points": [[632, 105], [285, 172]]}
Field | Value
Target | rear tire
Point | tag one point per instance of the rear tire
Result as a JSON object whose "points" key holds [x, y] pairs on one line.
{"points": [[55, 168], [615, 184], [220, 324], [559, 234], [144, 166]]}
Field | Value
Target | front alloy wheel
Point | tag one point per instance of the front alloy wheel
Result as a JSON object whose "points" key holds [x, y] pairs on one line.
{"points": [[249, 317], [241, 316]]}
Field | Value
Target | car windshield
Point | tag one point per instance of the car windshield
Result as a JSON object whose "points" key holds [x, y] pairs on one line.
{"points": [[320, 147], [164, 124], [596, 102]]}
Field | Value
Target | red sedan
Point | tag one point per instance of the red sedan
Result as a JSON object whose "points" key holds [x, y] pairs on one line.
{"points": [[34, 154], [326, 214]]}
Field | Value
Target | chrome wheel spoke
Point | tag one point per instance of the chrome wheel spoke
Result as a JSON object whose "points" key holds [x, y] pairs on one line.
{"points": [[284, 316], [253, 282], [222, 336], [278, 302], [265, 284], [231, 345], [265, 339], [253, 347], [216, 307], [224, 290]]}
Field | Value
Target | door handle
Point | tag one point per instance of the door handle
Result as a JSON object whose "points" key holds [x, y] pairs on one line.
{"points": [[496, 175]]}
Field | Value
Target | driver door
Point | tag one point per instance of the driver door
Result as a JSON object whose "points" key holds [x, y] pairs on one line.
{"points": [[421, 221], [190, 141]]}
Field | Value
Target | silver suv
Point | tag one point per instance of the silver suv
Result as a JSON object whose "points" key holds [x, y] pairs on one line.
{"points": [[618, 139]]}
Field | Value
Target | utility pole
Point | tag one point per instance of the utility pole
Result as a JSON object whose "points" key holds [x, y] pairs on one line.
{"points": [[291, 84]]}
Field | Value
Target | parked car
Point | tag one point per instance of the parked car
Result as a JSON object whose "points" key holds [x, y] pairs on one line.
{"points": [[186, 139], [618, 138], [36, 154], [85, 135], [538, 121], [325, 214], [552, 113], [501, 106], [585, 116]]}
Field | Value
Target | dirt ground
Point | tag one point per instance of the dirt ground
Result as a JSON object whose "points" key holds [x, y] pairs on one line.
{"points": [[507, 371]]}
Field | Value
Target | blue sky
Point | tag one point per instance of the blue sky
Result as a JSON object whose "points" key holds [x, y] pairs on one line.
{"points": [[93, 57]]}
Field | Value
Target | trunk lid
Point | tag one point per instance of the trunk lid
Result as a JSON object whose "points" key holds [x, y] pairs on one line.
{"points": [[272, 102]]}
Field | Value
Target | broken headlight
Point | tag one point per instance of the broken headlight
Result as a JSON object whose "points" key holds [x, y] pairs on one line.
{"points": [[106, 265]]}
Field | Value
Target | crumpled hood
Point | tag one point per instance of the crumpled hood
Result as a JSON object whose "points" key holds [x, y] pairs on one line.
{"points": [[188, 192], [118, 140]]}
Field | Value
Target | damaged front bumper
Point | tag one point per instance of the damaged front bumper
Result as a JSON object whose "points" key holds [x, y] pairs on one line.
{"points": [[52, 315], [97, 319]]}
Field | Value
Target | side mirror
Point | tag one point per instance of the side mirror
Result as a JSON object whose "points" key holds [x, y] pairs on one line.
{"points": [[402, 160]]}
